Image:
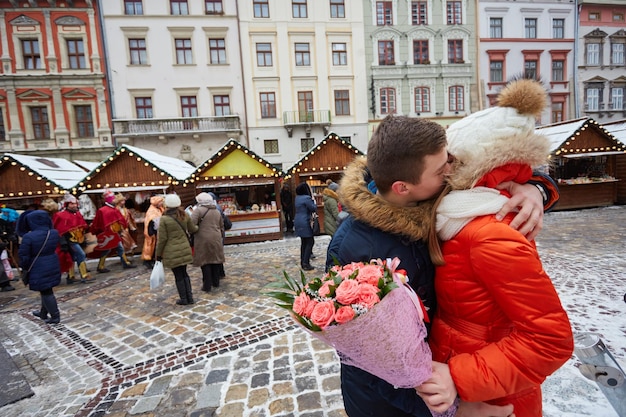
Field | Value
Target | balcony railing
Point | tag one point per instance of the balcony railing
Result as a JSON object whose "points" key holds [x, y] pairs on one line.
{"points": [[181, 125], [306, 119]]}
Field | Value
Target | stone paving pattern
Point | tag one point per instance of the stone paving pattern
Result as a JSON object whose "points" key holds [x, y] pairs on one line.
{"points": [[123, 350]]}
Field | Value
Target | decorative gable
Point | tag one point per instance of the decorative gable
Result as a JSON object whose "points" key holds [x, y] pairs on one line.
{"points": [[34, 95]]}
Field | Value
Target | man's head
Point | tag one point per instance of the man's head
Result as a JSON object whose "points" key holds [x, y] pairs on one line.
{"points": [[407, 158]]}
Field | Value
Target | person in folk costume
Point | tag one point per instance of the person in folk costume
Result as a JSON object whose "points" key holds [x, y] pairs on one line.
{"points": [[127, 241], [208, 241], [154, 212], [500, 325], [107, 224], [71, 225]]}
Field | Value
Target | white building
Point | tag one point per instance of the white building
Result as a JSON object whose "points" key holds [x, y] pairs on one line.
{"points": [[529, 38], [175, 75], [304, 75]]}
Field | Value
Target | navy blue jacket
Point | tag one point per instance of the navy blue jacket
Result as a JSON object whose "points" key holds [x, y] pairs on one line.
{"points": [[46, 271], [305, 206]]}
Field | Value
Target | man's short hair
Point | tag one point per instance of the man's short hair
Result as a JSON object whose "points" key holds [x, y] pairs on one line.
{"points": [[397, 149]]}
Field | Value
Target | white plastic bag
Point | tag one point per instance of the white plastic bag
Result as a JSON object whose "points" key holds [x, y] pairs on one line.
{"points": [[157, 277]]}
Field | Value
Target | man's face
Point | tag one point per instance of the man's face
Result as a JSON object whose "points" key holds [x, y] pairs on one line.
{"points": [[432, 181], [72, 207]]}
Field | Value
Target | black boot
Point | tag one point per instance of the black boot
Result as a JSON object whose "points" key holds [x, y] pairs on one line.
{"points": [[206, 278], [215, 275], [43, 313], [50, 301], [182, 291], [188, 290]]}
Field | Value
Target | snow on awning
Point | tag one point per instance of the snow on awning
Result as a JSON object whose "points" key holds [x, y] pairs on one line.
{"points": [[65, 174]]}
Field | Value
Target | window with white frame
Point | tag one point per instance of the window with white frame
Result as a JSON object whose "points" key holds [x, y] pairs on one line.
{"points": [[456, 100], [558, 28], [617, 98], [337, 9], [217, 51], [419, 13], [387, 100], [593, 53], [384, 13], [340, 53], [592, 98], [270, 145], [179, 7], [530, 28], [422, 99], [617, 53], [454, 12]]}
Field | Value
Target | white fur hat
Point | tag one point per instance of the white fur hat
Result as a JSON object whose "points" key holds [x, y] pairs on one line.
{"points": [[172, 200], [204, 198]]}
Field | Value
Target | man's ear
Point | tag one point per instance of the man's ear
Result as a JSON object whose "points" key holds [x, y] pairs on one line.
{"points": [[399, 188]]}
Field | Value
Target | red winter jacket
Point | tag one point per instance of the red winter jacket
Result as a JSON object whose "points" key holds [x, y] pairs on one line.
{"points": [[499, 324]]}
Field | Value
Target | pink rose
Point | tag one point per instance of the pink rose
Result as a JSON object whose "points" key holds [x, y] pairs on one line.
{"points": [[370, 274], [347, 292], [324, 290], [368, 295], [323, 313], [303, 305], [344, 314]]}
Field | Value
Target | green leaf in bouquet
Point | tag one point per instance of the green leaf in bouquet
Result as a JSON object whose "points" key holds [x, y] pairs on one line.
{"points": [[386, 289], [307, 323]]}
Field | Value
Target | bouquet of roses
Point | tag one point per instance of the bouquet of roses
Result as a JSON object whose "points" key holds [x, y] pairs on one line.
{"points": [[368, 313]]}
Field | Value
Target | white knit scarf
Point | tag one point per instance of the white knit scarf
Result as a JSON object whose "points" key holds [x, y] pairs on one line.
{"points": [[459, 207]]}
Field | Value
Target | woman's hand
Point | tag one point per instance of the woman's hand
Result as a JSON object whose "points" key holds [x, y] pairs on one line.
{"points": [[438, 392]]}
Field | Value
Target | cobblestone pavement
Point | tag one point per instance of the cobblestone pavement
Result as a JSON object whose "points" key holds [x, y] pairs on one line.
{"points": [[123, 350]]}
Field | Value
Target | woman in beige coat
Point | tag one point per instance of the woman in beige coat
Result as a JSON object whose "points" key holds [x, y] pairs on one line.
{"points": [[208, 240]]}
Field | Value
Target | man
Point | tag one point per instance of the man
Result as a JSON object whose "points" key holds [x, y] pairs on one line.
{"points": [[71, 225], [286, 201], [107, 225], [390, 200]]}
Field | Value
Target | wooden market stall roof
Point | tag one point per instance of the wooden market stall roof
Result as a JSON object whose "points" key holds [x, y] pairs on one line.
{"points": [[23, 176], [331, 155], [617, 129], [235, 165], [581, 137], [130, 168]]}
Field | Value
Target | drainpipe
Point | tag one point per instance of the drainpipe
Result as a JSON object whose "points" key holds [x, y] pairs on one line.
{"points": [[245, 101], [576, 42]]}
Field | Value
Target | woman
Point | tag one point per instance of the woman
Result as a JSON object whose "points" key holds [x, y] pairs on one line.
{"points": [[153, 213], [38, 256], [305, 207], [172, 246], [499, 323], [128, 242], [331, 208], [208, 243]]}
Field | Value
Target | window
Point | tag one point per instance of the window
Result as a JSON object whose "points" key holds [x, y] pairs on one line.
{"points": [[593, 99], [133, 7], [454, 15], [305, 106], [495, 27], [618, 17], [188, 108], [384, 13], [268, 105], [264, 54], [337, 9], [213, 7], [557, 112], [530, 70], [303, 55], [594, 15], [217, 51], [84, 121], [530, 28], [557, 70], [558, 28], [76, 53], [221, 105], [385, 53], [387, 100], [455, 97], [496, 71], [593, 54], [342, 103], [617, 98], [138, 54], [455, 51], [617, 54], [422, 99], [419, 15], [31, 54], [183, 51], [2, 131], [270, 145], [143, 107], [340, 54], [298, 8], [306, 144], [261, 8], [39, 118], [179, 7], [420, 52]]}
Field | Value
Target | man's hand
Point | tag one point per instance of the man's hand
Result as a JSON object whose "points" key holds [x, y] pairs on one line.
{"points": [[438, 392], [526, 197], [484, 410]]}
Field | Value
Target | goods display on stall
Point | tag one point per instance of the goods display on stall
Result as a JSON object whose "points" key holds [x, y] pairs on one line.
{"points": [[325, 161], [585, 158], [247, 188]]}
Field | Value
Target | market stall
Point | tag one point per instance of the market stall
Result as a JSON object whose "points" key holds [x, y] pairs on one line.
{"points": [[248, 189], [584, 157], [325, 161], [138, 174], [618, 130]]}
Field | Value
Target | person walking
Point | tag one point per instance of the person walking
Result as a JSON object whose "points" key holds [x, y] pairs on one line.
{"points": [[208, 241], [331, 208], [154, 212], [305, 207], [173, 247], [286, 202], [71, 225], [126, 234], [6, 271], [38, 256]]}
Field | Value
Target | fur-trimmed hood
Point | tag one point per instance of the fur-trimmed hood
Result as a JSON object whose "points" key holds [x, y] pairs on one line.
{"points": [[330, 193], [413, 222]]}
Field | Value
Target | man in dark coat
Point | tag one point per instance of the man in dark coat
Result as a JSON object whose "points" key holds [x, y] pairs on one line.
{"points": [[286, 201]]}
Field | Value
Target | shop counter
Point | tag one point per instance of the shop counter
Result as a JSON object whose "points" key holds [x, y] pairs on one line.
{"points": [[586, 194], [254, 227]]}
